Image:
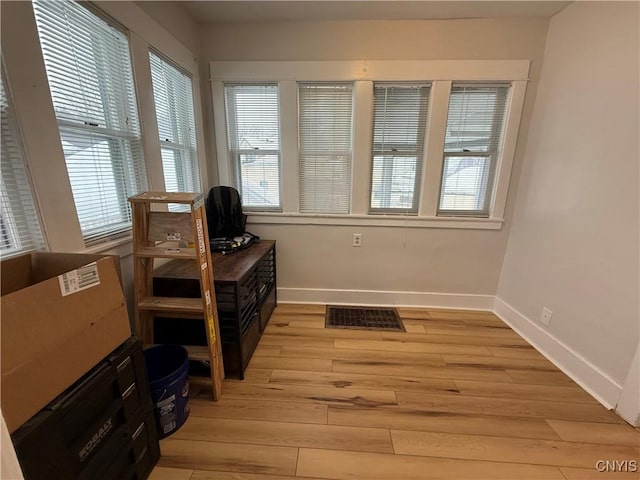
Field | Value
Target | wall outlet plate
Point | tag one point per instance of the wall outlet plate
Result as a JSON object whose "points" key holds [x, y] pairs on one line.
{"points": [[545, 316], [357, 240]]}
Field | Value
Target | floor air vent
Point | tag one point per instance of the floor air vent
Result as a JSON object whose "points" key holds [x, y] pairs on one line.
{"points": [[364, 318]]}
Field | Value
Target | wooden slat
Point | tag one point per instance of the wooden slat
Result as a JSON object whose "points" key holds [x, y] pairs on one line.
{"points": [[599, 433], [429, 359], [283, 363], [502, 363], [354, 380], [218, 475], [506, 406], [259, 409], [459, 339], [501, 449], [167, 473], [517, 391], [450, 422], [171, 305], [410, 346], [286, 434], [409, 370], [164, 225], [166, 197], [167, 252], [377, 466], [312, 394], [228, 456], [414, 328]]}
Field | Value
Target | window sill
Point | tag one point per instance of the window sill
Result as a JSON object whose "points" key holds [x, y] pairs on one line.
{"points": [[122, 246], [263, 218]]}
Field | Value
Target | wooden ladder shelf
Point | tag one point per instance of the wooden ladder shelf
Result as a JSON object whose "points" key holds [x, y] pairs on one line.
{"points": [[162, 234]]}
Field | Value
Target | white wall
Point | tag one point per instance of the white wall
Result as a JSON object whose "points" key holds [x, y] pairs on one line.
{"points": [[392, 259], [573, 245]]}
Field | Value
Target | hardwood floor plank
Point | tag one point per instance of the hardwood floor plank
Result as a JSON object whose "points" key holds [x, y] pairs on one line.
{"points": [[414, 328], [593, 474], [298, 341], [168, 473], [454, 339], [267, 351], [501, 449], [299, 309], [313, 394], [483, 331], [516, 351], [507, 407], [410, 346], [285, 363], [519, 391], [210, 475], [253, 375], [228, 456], [258, 409], [501, 363], [449, 314], [447, 422], [330, 333], [458, 323], [413, 313], [378, 466], [431, 359], [600, 433], [286, 434], [308, 321], [541, 378], [422, 371], [355, 380]]}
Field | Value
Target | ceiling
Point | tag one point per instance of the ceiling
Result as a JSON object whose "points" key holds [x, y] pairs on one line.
{"points": [[240, 11]]}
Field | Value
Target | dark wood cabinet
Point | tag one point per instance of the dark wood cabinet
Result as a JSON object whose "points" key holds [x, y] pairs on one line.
{"points": [[245, 285]]}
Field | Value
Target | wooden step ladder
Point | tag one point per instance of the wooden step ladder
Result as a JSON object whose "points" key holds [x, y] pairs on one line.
{"points": [[158, 233]]}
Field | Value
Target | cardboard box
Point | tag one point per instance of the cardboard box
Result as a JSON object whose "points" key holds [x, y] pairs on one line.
{"points": [[61, 314]]}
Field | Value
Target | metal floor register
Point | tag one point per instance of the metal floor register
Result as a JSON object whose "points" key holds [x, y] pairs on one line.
{"points": [[364, 318]]}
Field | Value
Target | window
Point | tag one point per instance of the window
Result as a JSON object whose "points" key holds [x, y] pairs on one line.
{"points": [[472, 145], [253, 129], [173, 97], [91, 82], [325, 145], [19, 226], [399, 124]]}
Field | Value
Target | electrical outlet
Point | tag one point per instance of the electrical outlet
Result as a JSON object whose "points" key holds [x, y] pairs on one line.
{"points": [[545, 316], [357, 240]]}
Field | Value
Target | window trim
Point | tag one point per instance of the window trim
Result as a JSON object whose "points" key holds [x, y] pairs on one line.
{"points": [[439, 73]]}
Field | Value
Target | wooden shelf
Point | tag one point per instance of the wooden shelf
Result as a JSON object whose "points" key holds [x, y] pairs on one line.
{"points": [[167, 252]]}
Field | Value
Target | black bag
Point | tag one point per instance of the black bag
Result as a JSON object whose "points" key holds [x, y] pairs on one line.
{"points": [[226, 222], [224, 213]]}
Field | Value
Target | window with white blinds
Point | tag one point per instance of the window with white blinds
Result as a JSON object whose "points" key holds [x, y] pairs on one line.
{"points": [[19, 225], [325, 130], [253, 128], [90, 77], [472, 145], [173, 97], [399, 124]]}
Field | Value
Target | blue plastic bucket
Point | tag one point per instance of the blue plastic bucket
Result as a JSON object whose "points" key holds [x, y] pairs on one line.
{"points": [[168, 373]]}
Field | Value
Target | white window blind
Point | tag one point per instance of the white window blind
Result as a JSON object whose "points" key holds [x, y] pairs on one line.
{"points": [[91, 82], [173, 97], [472, 145], [19, 225], [253, 128], [325, 114], [399, 124]]}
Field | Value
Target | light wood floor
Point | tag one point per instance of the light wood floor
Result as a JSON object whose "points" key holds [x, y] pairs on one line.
{"points": [[458, 396]]}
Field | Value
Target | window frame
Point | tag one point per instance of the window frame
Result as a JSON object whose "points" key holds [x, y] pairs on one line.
{"points": [[235, 154], [130, 176], [418, 152], [439, 73]]}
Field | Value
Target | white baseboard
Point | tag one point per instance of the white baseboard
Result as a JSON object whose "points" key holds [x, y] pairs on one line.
{"points": [[584, 373], [385, 298]]}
